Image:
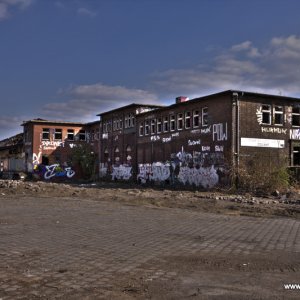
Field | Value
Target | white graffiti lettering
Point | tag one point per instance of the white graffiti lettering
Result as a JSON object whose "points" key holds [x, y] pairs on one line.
{"points": [[52, 171], [36, 158], [121, 172], [155, 172], [175, 134], [220, 132], [167, 139], [259, 115], [295, 134], [51, 145], [206, 130], [205, 148], [205, 177], [192, 143], [219, 148], [273, 130], [155, 138]]}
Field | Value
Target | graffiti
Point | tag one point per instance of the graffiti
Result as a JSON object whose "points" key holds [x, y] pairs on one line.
{"points": [[195, 131], [219, 132], [205, 177], [36, 158], [206, 130], [295, 134], [205, 148], [156, 172], [105, 136], [167, 139], [259, 115], [219, 148], [55, 170], [155, 138], [51, 145], [122, 172], [273, 130], [193, 143], [175, 134], [72, 145]]}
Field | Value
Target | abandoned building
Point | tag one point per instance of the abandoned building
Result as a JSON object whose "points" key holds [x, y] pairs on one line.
{"points": [[50, 144], [12, 156], [118, 140], [202, 142]]}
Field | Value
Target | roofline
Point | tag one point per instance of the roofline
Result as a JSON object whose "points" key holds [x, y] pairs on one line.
{"points": [[35, 121], [130, 105], [240, 92]]}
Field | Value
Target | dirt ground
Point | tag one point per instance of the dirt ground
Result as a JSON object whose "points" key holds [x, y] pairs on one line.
{"points": [[220, 202], [201, 275]]}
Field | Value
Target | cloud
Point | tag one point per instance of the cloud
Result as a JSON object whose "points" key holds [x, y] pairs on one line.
{"points": [[86, 12], [10, 126], [275, 67], [86, 101], [6, 6]]}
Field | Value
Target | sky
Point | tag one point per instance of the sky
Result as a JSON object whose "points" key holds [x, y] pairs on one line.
{"points": [[70, 60]]}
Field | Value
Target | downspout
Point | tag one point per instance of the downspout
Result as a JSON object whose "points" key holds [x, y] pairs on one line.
{"points": [[236, 134]]}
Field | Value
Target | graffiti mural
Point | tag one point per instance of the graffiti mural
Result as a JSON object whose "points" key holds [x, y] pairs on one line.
{"points": [[154, 172], [55, 170], [122, 172]]}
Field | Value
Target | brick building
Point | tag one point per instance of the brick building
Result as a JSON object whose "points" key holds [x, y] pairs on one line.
{"points": [[49, 144], [118, 141]]}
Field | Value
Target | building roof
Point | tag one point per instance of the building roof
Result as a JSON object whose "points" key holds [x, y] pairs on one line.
{"points": [[133, 105], [12, 141], [226, 92], [42, 121]]}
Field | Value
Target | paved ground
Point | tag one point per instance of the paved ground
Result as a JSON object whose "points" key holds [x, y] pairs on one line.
{"points": [[64, 248]]}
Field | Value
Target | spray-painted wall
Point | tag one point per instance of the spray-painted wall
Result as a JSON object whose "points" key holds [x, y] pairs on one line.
{"points": [[188, 143]]}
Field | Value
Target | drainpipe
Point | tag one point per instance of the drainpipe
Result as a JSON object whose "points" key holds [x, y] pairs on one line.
{"points": [[236, 135]]}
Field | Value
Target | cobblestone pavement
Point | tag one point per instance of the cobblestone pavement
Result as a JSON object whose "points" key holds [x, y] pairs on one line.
{"points": [[70, 249]]}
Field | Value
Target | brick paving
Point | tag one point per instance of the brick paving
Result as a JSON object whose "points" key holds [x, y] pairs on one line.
{"points": [[52, 248]]}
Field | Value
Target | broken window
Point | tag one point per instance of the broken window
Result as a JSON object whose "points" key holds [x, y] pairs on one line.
{"points": [[166, 124], [187, 120], [278, 115], [153, 126], [46, 134], [296, 116], [172, 123], [204, 116], [57, 134], [147, 129], [296, 155], [196, 118], [82, 135], [70, 135], [266, 114], [159, 125], [141, 129], [180, 121]]}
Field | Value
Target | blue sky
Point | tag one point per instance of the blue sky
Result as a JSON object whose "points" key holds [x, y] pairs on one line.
{"points": [[72, 59]]}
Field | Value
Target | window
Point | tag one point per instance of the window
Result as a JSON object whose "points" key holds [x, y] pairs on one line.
{"points": [[141, 129], [187, 120], [166, 124], [57, 134], [278, 115], [129, 120], [296, 116], [70, 135], [105, 127], [82, 135], [266, 114], [204, 116], [46, 134], [153, 126], [97, 137], [159, 125], [121, 123], [92, 135], [147, 129], [196, 118], [172, 123], [180, 121]]}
